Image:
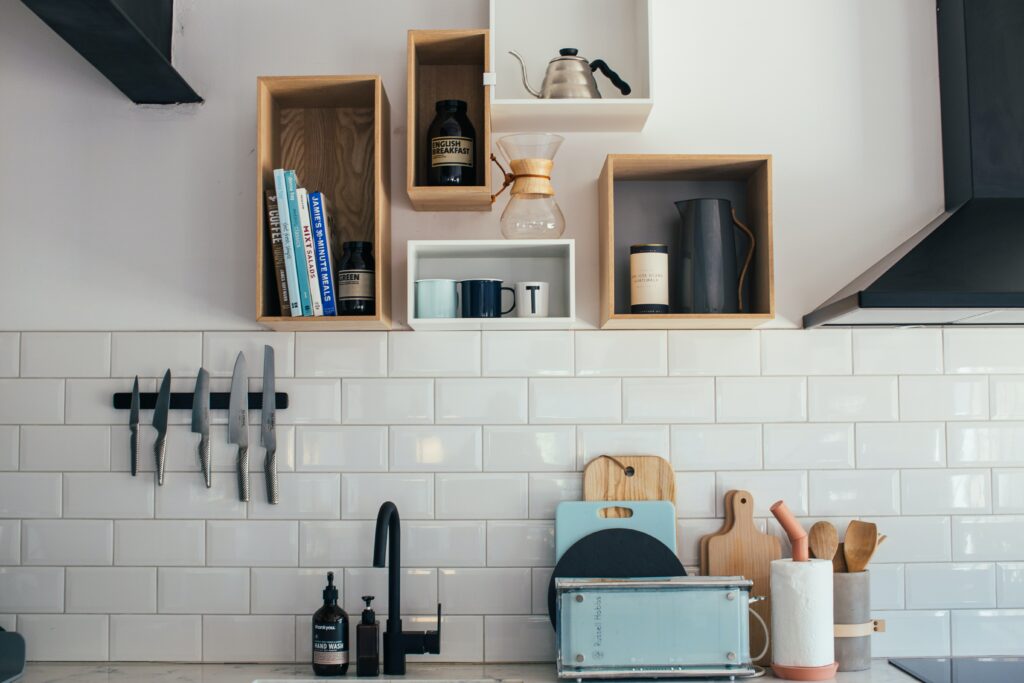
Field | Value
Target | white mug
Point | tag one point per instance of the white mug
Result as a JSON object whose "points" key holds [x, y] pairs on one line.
{"points": [[532, 299]]}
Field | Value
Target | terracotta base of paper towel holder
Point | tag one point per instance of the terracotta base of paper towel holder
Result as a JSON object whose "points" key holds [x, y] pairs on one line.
{"points": [[806, 673]]}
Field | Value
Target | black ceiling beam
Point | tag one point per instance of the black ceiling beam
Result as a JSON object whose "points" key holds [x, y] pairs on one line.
{"points": [[128, 41]]}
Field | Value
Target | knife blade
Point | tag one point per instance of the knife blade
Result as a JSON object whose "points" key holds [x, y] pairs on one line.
{"points": [[268, 437], [133, 426], [238, 423], [163, 405], [201, 422]]}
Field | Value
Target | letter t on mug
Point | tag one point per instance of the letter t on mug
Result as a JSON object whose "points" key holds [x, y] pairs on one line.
{"points": [[532, 299]]}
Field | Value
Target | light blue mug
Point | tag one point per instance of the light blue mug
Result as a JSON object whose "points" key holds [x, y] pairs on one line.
{"points": [[436, 298]]}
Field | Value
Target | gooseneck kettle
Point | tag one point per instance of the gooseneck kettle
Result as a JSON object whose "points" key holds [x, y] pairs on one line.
{"points": [[571, 76]]}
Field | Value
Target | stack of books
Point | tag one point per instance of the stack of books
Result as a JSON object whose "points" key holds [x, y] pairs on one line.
{"points": [[300, 237]]}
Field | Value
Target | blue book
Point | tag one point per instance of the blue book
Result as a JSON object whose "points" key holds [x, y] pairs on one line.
{"points": [[287, 245], [322, 250], [291, 185]]}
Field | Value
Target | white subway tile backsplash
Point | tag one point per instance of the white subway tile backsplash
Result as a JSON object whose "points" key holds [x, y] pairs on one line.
{"points": [[716, 447], [341, 449], [150, 354], [434, 354], [248, 638], [540, 581], [111, 590], [435, 449], [32, 401], [336, 544], [481, 401], [985, 351], [766, 487], [159, 542], [303, 495], [10, 541], [943, 398], [67, 541], [1008, 491], [252, 544], [945, 492], [221, 348], [695, 494], [65, 637], [108, 495], [482, 496], [978, 445], [341, 354], [852, 399], [714, 352], [362, 495], [572, 401], [913, 539], [387, 401], [150, 638], [983, 632], [485, 591], [944, 586], [444, 544], [855, 492], [89, 401], [520, 544], [184, 496], [518, 639], [803, 446], [917, 633], [816, 352], [10, 343], [514, 448], [548, 490], [31, 589], [528, 354], [901, 444], [310, 401], [897, 352], [668, 399], [1010, 584], [291, 590], [419, 590], [1006, 394], [9, 438], [65, 448], [761, 399], [65, 354], [992, 538], [595, 440], [462, 638], [621, 353], [887, 586], [30, 494]]}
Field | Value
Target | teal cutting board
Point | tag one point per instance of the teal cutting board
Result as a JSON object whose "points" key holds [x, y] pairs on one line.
{"points": [[576, 519]]}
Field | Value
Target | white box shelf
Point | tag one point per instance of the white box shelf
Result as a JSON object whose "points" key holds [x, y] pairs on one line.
{"points": [[512, 261], [617, 31]]}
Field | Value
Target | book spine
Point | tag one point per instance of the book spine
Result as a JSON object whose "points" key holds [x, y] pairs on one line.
{"points": [[302, 282], [321, 241], [274, 228], [287, 245], [302, 196]]}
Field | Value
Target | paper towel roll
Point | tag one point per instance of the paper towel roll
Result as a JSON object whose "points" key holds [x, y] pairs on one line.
{"points": [[802, 613]]}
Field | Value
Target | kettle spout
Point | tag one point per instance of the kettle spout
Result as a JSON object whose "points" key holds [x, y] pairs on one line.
{"points": [[526, 81]]}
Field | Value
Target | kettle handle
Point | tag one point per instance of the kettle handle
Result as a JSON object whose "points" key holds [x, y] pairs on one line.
{"points": [[599, 64], [746, 262]]}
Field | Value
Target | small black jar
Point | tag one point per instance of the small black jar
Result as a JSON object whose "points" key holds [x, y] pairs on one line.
{"points": [[451, 146], [355, 281]]}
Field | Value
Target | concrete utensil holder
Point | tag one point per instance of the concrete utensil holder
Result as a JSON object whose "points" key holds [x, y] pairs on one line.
{"points": [[851, 609]]}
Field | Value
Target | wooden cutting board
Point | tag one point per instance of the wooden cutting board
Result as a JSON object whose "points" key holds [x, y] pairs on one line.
{"points": [[744, 550], [628, 477], [707, 537]]}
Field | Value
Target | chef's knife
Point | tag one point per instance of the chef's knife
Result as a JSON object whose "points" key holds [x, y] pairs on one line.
{"points": [[163, 405], [238, 424], [133, 425], [201, 422], [268, 437]]}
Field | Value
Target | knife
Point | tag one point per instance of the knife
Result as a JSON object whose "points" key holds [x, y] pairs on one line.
{"points": [[238, 427], [201, 422], [268, 437], [133, 425], [163, 404]]}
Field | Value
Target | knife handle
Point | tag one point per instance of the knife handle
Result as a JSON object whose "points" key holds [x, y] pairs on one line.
{"points": [[243, 474], [205, 459], [134, 447], [270, 469], [160, 449]]}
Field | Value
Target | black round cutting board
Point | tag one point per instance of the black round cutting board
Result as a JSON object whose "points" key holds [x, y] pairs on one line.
{"points": [[614, 554]]}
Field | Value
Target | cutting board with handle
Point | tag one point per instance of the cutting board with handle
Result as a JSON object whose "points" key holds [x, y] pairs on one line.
{"points": [[628, 477], [725, 527], [744, 550], [576, 519]]}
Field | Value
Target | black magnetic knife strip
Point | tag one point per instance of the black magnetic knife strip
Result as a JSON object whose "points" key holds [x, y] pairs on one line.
{"points": [[183, 400]]}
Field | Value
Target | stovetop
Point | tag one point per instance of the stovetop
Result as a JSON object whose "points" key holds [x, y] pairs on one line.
{"points": [[963, 669]]}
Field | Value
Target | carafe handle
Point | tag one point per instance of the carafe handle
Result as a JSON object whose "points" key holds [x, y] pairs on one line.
{"points": [[747, 261], [600, 65]]}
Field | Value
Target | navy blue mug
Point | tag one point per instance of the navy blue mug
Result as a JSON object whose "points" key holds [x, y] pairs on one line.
{"points": [[481, 298]]}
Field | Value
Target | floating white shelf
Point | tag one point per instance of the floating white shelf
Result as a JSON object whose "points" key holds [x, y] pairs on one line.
{"points": [[617, 31], [552, 261]]}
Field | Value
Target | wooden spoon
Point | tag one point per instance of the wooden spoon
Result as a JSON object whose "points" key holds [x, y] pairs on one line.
{"points": [[824, 540], [859, 544], [839, 560]]}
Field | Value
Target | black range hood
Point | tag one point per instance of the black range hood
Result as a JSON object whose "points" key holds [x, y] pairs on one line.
{"points": [[967, 266]]}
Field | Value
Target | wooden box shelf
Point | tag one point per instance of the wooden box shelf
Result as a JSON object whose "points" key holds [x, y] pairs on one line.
{"points": [[334, 131], [446, 65], [637, 195]]}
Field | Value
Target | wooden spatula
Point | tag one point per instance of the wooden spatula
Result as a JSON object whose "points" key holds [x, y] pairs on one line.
{"points": [[839, 560], [859, 544], [824, 540]]}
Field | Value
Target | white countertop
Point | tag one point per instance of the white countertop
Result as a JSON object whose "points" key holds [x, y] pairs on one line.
{"points": [[880, 672]]}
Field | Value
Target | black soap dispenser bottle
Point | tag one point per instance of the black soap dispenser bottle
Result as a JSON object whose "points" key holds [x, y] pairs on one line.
{"points": [[330, 634], [367, 638]]}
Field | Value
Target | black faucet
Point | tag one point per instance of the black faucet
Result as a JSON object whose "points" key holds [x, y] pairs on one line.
{"points": [[399, 643]]}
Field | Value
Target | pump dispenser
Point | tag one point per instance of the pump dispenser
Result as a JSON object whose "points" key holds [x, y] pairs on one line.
{"points": [[330, 634], [367, 638]]}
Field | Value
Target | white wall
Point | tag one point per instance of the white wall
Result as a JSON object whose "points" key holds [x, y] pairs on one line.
{"points": [[124, 217]]}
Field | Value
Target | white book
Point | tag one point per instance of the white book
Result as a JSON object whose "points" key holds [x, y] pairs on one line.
{"points": [[307, 242]]}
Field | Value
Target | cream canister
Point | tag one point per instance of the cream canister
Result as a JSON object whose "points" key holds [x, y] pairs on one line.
{"points": [[648, 278]]}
